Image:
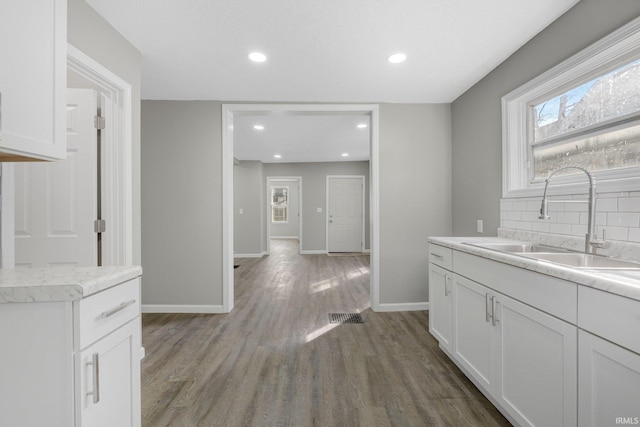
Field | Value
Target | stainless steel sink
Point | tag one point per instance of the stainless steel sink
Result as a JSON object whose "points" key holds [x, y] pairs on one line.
{"points": [[585, 261], [518, 247]]}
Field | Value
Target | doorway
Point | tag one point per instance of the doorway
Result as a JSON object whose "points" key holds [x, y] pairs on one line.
{"points": [[284, 209], [229, 112]]}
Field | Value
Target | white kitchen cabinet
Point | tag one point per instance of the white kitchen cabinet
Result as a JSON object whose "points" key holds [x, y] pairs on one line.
{"points": [[536, 365], [609, 375], [441, 301], [33, 41], [475, 338], [524, 359], [107, 395], [609, 381], [440, 307], [71, 363]]}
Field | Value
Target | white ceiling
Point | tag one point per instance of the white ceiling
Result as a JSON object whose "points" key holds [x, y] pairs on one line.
{"points": [[328, 51], [301, 138]]}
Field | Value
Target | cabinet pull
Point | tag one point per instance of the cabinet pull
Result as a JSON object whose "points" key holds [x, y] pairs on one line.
{"points": [[488, 313], [114, 310], [435, 255], [447, 281], [95, 364], [494, 311]]}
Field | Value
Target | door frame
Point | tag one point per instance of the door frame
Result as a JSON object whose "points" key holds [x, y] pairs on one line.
{"points": [[297, 179], [117, 181], [362, 201], [228, 113]]}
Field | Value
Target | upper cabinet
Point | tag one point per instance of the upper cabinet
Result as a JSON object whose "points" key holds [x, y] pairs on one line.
{"points": [[33, 65]]}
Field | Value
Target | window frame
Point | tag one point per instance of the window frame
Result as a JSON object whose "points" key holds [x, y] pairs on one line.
{"points": [[286, 205], [620, 47]]}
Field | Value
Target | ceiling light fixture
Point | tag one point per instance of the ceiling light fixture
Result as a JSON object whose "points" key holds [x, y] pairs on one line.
{"points": [[362, 125], [397, 58], [277, 156], [345, 154], [258, 127], [257, 57]]}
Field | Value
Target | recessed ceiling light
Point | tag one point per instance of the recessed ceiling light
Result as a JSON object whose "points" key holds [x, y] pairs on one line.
{"points": [[277, 156], [362, 125], [257, 57], [397, 58], [345, 154], [258, 127]]}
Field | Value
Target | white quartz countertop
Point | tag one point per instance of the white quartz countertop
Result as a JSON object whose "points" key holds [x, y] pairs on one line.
{"points": [[60, 284], [621, 282]]}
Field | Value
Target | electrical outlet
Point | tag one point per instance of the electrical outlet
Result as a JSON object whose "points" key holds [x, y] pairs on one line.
{"points": [[241, 211], [480, 226]]}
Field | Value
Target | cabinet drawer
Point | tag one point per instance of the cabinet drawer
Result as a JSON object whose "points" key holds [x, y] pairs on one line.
{"points": [[613, 317], [440, 255], [106, 311]]}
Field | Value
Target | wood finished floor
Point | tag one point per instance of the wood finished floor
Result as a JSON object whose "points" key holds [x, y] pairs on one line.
{"points": [[276, 361]]}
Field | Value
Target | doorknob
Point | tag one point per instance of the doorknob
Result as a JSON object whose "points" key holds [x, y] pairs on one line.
{"points": [[330, 221]]}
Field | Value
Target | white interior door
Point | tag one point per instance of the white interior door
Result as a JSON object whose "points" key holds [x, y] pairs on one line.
{"points": [[56, 202], [344, 214]]}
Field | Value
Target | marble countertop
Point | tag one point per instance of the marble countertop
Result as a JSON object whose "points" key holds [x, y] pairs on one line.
{"points": [[621, 282], [60, 284]]}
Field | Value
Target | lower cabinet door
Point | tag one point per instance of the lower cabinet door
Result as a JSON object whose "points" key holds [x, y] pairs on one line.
{"points": [[537, 369], [440, 308], [474, 336], [608, 383], [108, 380]]}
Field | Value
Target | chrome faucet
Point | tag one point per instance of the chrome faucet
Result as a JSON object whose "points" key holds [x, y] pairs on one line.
{"points": [[590, 241]]}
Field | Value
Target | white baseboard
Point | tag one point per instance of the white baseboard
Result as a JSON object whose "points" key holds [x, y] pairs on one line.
{"points": [[367, 251], [284, 237], [314, 252], [182, 308], [407, 306], [248, 255]]}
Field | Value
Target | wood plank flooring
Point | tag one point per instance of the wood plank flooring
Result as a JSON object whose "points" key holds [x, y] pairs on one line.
{"points": [[275, 360]]}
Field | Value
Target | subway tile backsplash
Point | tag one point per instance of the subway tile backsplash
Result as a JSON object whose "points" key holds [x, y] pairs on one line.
{"points": [[618, 214]]}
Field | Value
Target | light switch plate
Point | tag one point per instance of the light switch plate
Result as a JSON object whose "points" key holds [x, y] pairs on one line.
{"points": [[480, 226], [318, 210]]}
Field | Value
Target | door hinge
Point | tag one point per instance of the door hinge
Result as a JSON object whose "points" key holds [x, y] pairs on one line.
{"points": [[99, 225], [99, 122]]}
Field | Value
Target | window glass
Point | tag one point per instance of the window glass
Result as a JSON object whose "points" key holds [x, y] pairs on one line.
{"points": [[279, 203], [605, 109], [613, 95]]}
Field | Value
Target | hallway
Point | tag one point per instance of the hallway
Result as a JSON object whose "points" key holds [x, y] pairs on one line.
{"points": [[275, 360]]}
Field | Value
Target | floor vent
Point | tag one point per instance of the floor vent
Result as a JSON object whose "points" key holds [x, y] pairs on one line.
{"points": [[345, 318]]}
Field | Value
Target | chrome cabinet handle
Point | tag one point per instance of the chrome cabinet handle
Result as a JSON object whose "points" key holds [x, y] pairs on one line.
{"points": [[114, 310], [438, 256], [95, 364], [488, 314], [447, 282], [495, 310]]}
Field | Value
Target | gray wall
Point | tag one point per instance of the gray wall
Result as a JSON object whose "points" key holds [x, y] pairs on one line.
{"points": [[182, 202], [415, 195], [248, 195], [90, 33], [476, 115], [314, 195], [292, 227], [182, 199]]}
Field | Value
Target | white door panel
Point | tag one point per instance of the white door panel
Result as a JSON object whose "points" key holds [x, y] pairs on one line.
{"points": [[345, 208], [55, 202]]}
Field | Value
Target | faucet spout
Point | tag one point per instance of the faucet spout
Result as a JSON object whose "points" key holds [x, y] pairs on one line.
{"points": [[590, 238]]}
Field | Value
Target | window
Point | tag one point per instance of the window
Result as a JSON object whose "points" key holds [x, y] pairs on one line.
{"points": [[279, 203], [584, 112]]}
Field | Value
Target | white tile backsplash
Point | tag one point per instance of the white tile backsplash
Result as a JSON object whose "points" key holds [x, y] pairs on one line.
{"points": [[618, 213]]}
